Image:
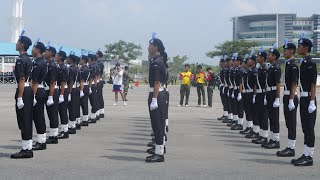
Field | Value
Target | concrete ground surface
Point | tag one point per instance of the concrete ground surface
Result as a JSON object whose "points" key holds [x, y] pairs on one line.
{"points": [[199, 146]]}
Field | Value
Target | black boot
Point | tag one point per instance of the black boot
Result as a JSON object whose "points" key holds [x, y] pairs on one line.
{"points": [[101, 116], [246, 131], [84, 123], [39, 146], [151, 144], [303, 161], [97, 118], [222, 118], [63, 135], [52, 140], [78, 127], [72, 131], [237, 127], [152, 150], [271, 144], [167, 128], [23, 154], [232, 123], [165, 137], [227, 121], [91, 121], [288, 152], [155, 158], [260, 140], [152, 134], [252, 135]]}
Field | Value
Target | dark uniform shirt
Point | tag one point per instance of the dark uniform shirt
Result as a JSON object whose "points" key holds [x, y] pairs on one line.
{"points": [[291, 74], [85, 73], [252, 76], [63, 73], [39, 70], [101, 67], [274, 75], [225, 76], [231, 77], [308, 74], [262, 77], [237, 76], [52, 74], [93, 71], [244, 78], [23, 67], [73, 74], [157, 71]]}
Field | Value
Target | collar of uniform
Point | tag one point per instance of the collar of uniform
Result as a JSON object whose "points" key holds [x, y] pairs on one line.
{"points": [[23, 54], [39, 58]]}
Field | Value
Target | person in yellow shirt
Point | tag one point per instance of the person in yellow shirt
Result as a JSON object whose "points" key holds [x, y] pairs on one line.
{"points": [[201, 79], [185, 78]]}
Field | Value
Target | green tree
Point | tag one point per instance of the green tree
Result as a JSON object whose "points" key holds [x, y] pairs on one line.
{"points": [[123, 51], [175, 66], [229, 47]]}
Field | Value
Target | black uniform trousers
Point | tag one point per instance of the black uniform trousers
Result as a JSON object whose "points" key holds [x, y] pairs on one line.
{"points": [[201, 92], [38, 111], [223, 101], [52, 110], [250, 107], [157, 117], [261, 116], [63, 108], [84, 100], [238, 104], [230, 101], [166, 111], [24, 115], [93, 97], [100, 94], [245, 104], [290, 116], [227, 100], [273, 113], [73, 105], [308, 121], [77, 97]]}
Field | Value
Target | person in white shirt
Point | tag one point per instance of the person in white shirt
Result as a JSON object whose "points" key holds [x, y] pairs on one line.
{"points": [[117, 83]]}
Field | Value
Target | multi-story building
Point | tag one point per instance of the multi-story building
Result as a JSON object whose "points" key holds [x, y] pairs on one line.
{"points": [[267, 29]]}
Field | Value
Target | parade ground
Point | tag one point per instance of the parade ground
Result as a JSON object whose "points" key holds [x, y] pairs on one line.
{"points": [[199, 146]]}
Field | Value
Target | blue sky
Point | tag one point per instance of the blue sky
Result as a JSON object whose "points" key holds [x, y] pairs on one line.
{"points": [[187, 27]]}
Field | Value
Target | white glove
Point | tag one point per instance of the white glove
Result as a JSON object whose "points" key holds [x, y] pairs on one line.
{"points": [[34, 100], [254, 99], [265, 100], [154, 104], [276, 103], [291, 105], [239, 97], [61, 99], [228, 93], [312, 107], [20, 103], [90, 91], [81, 94], [223, 90], [50, 101], [232, 96], [69, 98]]}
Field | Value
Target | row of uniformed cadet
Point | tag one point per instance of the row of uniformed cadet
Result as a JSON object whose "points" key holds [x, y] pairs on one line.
{"points": [[62, 88], [254, 88]]}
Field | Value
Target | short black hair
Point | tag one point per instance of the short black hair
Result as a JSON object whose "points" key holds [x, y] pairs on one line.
{"points": [[126, 67], [187, 65]]}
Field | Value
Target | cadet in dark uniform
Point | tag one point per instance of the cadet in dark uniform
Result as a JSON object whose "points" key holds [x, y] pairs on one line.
{"points": [[63, 77], [73, 94], [93, 96], [84, 89], [290, 99], [24, 97], [222, 65], [261, 117], [308, 105], [101, 83], [272, 97], [164, 56], [52, 94], [77, 97], [245, 90], [251, 79], [157, 98], [39, 72], [238, 88], [227, 90]]}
